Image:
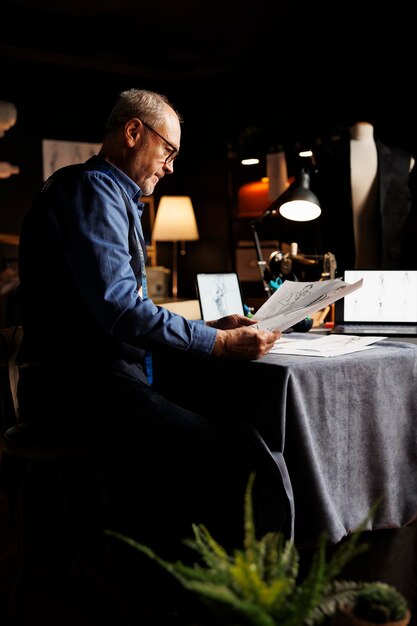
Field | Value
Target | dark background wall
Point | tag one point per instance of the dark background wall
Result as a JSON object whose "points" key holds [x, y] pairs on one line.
{"points": [[284, 93]]}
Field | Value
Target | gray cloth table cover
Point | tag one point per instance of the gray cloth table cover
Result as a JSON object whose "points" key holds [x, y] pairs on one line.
{"points": [[348, 436]]}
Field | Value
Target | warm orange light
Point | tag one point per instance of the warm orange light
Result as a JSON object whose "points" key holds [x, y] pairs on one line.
{"points": [[253, 198]]}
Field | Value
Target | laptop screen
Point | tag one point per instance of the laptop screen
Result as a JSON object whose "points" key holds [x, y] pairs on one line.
{"points": [[386, 296], [219, 294]]}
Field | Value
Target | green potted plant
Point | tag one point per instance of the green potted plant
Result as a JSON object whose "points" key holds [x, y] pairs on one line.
{"points": [[260, 585], [376, 603]]}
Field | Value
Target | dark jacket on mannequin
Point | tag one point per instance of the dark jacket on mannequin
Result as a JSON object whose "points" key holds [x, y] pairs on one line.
{"points": [[332, 184]]}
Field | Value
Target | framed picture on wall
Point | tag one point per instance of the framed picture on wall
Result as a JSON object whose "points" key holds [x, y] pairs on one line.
{"points": [[56, 154]]}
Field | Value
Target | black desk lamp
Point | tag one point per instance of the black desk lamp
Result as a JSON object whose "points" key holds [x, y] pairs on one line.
{"points": [[297, 203]]}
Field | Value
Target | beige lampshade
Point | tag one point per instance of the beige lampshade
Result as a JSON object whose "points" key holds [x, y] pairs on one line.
{"points": [[175, 220]]}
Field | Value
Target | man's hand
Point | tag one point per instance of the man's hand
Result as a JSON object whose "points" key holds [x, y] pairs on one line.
{"points": [[231, 321], [244, 342]]}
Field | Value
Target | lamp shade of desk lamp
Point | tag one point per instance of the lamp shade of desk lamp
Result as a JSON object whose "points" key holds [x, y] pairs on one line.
{"points": [[298, 203], [175, 221]]}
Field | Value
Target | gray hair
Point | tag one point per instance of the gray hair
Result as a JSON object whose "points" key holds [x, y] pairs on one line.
{"points": [[149, 106]]}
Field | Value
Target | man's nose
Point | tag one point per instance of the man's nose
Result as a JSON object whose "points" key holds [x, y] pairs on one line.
{"points": [[169, 167]]}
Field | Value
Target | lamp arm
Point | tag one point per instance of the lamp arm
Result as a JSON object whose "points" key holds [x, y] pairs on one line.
{"points": [[302, 184], [272, 208], [261, 263]]}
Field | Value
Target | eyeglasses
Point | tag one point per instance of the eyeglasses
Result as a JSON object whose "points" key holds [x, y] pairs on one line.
{"points": [[174, 153]]}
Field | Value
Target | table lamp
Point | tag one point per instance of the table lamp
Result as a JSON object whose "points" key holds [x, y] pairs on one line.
{"points": [[297, 203], [175, 221]]}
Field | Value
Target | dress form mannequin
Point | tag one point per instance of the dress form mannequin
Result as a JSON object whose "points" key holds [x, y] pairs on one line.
{"points": [[364, 187]]}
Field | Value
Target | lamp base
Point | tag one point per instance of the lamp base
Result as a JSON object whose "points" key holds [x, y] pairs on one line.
{"points": [[174, 269]]}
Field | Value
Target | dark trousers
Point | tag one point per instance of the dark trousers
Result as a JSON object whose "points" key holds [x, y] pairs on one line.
{"points": [[166, 463], [166, 466]]}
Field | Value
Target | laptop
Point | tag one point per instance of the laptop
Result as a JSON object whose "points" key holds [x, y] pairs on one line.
{"points": [[385, 305], [219, 294]]}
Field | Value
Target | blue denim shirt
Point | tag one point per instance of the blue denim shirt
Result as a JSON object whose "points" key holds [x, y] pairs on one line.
{"points": [[79, 268]]}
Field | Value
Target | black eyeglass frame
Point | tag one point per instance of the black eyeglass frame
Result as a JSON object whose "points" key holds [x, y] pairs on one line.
{"points": [[172, 155]]}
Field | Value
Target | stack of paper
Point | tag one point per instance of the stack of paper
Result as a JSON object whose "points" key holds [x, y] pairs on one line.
{"points": [[332, 345], [294, 301]]}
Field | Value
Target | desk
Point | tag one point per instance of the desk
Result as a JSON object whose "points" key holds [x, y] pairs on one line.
{"points": [[190, 309], [350, 436], [342, 431]]}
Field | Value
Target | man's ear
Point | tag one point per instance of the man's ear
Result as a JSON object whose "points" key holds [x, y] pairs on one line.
{"points": [[132, 131]]}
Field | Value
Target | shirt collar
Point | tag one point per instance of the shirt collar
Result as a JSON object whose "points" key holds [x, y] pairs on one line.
{"points": [[131, 188]]}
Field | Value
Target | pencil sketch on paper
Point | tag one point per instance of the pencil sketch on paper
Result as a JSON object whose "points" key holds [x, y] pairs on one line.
{"points": [[57, 154], [387, 296], [300, 301]]}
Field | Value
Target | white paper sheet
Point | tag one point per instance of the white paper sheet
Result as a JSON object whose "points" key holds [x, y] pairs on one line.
{"points": [[294, 301], [331, 345]]}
